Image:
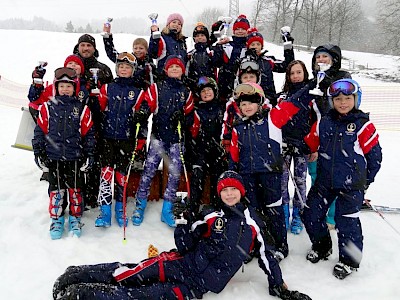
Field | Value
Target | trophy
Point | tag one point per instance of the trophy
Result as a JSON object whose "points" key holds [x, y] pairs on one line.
{"points": [[285, 31], [180, 197], [40, 67], [320, 76], [95, 72], [226, 21], [107, 24], [153, 17]]}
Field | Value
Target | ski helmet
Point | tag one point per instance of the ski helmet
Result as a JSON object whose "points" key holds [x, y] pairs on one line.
{"points": [[65, 74], [347, 87], [207, 82], [249, 65], [126, 58], [201, 29], [249, 91]]}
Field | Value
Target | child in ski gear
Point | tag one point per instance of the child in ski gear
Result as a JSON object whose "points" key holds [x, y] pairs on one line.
{"points": [[169, 101], [293, 134], [267, 64], [171, 42], [64, 143], [209, 253], [330, 55], [145, 68], [207, 154], [349, 159], [255, 152], [227, 54], [199, 59], [120, 101], [249, 72]]}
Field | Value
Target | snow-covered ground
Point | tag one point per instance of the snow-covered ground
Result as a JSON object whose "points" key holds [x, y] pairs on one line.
{"points": [[30, 261]]}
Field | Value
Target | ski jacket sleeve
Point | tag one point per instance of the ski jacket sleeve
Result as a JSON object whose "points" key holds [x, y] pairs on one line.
{"points": [[187, 236], [231, 109], [312, 139], [111, 52], [157, 47], [234, 151], [41, 129], [40, 96], [103, 97], [151, 97], [368, 139]]}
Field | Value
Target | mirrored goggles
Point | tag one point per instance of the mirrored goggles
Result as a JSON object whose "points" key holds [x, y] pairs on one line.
{"points": [[127, 58], [249, 64], [64, 72], [247, 89], [345, 87]]}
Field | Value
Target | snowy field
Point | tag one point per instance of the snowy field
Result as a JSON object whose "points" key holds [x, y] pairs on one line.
{"points": [[30, 261]]}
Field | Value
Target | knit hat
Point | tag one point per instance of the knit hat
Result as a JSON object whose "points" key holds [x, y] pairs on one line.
{"points": [[86, 38], [241, 22], [76, 59], [230, 179], [201, 28], [254, 36], [174, 16], [174, 59]]}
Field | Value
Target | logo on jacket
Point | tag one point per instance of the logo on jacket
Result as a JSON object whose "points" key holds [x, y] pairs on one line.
{"points": [[81, 95], [131, 95], [351, 127], [219, 225], [75, 112]]}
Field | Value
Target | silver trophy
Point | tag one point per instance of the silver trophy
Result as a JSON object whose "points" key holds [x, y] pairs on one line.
{"points": [[153, 17], [226, 21], [320, 76], [180, 196], [95, 72], [107, 24], [41, 66], [285, 31]]}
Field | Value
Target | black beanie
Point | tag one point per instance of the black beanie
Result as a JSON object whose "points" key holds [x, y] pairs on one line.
{"points": [[87, 38]]}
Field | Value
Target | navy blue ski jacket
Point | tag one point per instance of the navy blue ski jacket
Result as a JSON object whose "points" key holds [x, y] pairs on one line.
{"points": [[64, 130], [349, 154]]}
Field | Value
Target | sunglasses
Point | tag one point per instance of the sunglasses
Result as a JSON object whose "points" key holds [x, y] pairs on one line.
{"points": [[64, 72], [345, 87], [247, 89], [127, 58], [249, 65]]}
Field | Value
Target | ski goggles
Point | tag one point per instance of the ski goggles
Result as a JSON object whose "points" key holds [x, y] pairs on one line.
{"points": [[65, 73], [345, 87], [203, 80], [247, 89], [249, 64], [126, 58]]}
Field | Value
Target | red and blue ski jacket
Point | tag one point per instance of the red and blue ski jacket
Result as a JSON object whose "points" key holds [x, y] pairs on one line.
{"points": [[64, 130], [349, 154]]}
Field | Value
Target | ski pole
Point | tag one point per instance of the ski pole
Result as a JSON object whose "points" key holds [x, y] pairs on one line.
{"points": [[183, 160], [127, 179], [380, 214]]}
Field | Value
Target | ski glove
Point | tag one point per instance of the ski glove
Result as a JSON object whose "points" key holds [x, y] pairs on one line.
{"points": [[283, 293], [178, 116], [38, 73], [42, 161], [140, 116], [140, 144], [88, 165], [227, 145]]}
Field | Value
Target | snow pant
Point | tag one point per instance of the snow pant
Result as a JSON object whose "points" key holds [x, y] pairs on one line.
{"points": [[92, 179], [209, 161], [300, 176], [263, 190], [158, 150], [65, 182], [348, 205], [161, 277]]}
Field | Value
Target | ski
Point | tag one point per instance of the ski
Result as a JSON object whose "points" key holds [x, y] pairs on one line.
{"points": [[380, 208]]}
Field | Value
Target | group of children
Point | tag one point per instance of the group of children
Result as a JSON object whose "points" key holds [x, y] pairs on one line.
{"points": [[230, 119]]}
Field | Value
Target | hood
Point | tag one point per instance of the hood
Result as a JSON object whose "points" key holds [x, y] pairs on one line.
{"points": [[334, 51]]}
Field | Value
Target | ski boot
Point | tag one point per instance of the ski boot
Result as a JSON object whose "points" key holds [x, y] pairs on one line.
{"points": [[287, 215], [74, 226], [166, 214], [119, 214], [104, 219], [296, 226], [315, 256], [57, 228], [341, 271], [138, 214]]}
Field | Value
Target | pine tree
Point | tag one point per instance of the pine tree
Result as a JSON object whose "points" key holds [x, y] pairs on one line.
{"points": [[70, 27]]}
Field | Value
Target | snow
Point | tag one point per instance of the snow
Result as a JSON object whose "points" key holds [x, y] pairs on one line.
{"points": [[30, 261]]}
